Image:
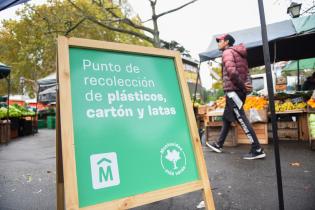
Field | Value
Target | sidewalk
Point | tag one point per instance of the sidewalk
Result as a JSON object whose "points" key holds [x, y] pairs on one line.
{"points": [[27, 177], [28, 172]]}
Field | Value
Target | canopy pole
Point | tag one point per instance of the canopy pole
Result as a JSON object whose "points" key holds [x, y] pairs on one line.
{"points": [[36, 107], [8, 99], [274, 58], [271, 101], [274, 54], [298, 75]]}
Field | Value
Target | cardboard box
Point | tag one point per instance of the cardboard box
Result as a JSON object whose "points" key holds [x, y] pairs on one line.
{"points": [[281, 80], [281, 87]]}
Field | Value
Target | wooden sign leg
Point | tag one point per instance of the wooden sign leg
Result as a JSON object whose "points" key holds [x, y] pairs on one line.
{"points": [[207, 194], [207, 197], [59, 165]]}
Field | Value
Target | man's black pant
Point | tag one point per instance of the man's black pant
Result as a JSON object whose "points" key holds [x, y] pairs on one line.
{"points": [[233, 112]]}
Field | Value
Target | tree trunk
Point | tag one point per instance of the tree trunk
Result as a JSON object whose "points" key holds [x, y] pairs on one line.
{"points": [[156, 33]]}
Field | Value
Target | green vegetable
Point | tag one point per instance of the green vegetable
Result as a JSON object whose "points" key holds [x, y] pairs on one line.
{"points": [[312, 118]]}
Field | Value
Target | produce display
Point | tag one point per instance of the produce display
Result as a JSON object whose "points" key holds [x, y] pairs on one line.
{"points": [[220, 103], [24, 111], [312, 124], [289, 104], [255, 102], [196, 103], [311, 102], [3, 112], [15, 111], [283, 102]]}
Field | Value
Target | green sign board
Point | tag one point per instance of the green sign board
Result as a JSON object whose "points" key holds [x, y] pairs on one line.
{"points": [[131, 134]]}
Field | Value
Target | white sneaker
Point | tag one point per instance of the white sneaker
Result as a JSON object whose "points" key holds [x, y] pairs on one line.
{"points": [[215, 147], [201, 205]]}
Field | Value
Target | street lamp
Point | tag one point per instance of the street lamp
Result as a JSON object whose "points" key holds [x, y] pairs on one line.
{"points": [[294, 9], [22, 82]]}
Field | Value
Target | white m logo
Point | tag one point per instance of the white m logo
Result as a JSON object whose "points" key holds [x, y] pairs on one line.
{"points": [[104, 170]]}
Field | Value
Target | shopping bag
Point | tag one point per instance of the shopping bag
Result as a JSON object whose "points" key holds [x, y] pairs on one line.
{"points": [[254, 116]]}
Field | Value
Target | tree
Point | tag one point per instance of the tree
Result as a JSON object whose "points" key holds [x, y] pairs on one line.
{"points": [[217, 84], [28, 45], [173, 156], [173, 45], [113, 16]]}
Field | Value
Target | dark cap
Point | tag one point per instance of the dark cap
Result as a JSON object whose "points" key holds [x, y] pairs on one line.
{"points": [[226, 37]]}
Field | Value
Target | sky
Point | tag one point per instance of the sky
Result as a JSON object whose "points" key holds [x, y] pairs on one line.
{"points": [[194, 25]]}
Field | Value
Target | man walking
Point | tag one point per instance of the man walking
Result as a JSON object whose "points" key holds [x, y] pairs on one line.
{"points": [[236, 84]]}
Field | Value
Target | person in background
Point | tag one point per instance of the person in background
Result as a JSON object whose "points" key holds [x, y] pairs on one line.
{"points": [[309, 83], [236, 84]]}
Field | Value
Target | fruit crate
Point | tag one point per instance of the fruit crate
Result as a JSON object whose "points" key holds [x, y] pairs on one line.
{"points": [[309, 109], [202, 109], [26, 128], [261, 130], [4, 131], [14, 133], [213, 131]]}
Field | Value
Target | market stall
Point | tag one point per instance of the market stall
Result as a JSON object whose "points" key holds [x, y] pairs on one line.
{"points": [[15, 117], [4, 120], [47, 94], [295, 118], [256, 110], [288, 40]]}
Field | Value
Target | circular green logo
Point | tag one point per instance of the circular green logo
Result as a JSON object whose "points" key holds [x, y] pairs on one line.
{"points": [[173, 159]]}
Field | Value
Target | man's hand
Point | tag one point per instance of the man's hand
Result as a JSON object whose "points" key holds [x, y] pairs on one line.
{"points": [[248, 87]]}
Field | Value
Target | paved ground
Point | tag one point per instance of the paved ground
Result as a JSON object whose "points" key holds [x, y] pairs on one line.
{"points": [[27, 178], [27, 173]]}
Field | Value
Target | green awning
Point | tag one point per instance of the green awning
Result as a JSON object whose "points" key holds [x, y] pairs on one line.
{"points": [[4, 70], [304, 24], [308, 63]]}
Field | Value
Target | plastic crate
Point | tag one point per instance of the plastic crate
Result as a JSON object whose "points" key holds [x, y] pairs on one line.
{"points": [[51, 122], [41, 124]]}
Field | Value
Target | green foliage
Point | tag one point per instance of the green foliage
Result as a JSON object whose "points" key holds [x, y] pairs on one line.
{"points": [[217, 70], [257, 70], [217, 85], [214, 95], [3, 112], [15, 111], [211, 98], [28, 45], [173, 45]]}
